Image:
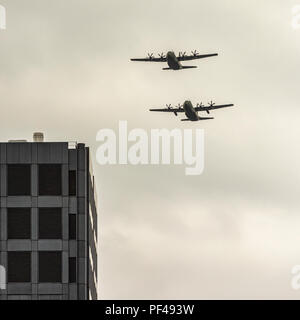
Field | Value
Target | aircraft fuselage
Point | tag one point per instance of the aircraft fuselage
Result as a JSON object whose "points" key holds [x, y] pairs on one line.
{"points": [[189, 111], [172, 61]]}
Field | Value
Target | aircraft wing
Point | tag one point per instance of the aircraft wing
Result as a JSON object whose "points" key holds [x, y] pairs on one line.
{"points": [[208, 108], [195, 56], [174, 110], [152, 59]]}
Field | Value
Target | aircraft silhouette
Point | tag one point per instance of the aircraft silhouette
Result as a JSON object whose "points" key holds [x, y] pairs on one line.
{"points": [[174, 62], [192, 112]]}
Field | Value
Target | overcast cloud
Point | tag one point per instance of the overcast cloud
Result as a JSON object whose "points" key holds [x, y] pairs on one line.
{"points": [[232, 232]]}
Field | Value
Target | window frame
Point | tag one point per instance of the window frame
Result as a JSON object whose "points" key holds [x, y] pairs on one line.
{"points": [[29, 264], [57, 192], [26, 211], [47, 264], [8, 180], [57, 211]]}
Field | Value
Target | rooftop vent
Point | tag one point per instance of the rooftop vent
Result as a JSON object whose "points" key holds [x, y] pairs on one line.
{"points": [[38, 137]]}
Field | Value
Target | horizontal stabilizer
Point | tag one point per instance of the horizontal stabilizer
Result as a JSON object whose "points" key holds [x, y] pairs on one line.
{"points": [[189, 67], [200, 118], [206, 118]]}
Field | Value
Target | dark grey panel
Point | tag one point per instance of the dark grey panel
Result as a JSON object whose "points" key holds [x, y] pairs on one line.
{"points": [[34, 223], [3, 224], [81, 158], [3, 153], [34, 269], [50, 245], [34, 153], [50, 297], [65, 180], [50, 201], [50, 288], [73, 291], [3, 202], [34, 180], [73, 248], [18, 152], [81, 262], [65, 224], [81, 205], [3, 176], [73, 159], [3, 259], [82, 292], [19, 288], [65, 267], [82, 249], [19, 202], [19, 297], [81, 188], [19, 245], [56, 152], [3, 245], [72, 205], [81, 227]]}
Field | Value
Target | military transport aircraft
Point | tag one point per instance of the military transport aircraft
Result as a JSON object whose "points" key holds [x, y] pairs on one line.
{"points": [[174, 62], [191, 112]]}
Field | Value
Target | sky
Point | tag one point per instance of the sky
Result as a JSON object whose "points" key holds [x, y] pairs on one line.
{"points": [[230, 233]]}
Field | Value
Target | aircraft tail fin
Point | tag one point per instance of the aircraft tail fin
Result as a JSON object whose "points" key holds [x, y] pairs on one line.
{"points": [[166, 68], [185, 120]]}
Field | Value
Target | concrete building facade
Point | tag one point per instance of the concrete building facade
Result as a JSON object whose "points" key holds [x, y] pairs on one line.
{"points": [[48, 221]]}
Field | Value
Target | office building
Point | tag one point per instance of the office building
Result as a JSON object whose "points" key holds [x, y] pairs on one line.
{"points": [[48, 221]]}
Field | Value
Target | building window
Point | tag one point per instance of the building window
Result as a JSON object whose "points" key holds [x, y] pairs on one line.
{"points": [[50, 223], [19, 223], [50, 180], [72, 270], [19, 266], [72, 226], [18, 180], [50, 266], [72, 183]]}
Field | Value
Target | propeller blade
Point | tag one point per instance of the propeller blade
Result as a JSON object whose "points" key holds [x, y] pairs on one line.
{"points": [[150, 55]]}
